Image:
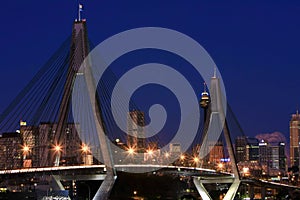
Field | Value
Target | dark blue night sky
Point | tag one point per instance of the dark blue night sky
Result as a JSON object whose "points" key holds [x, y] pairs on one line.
{"points": [[255, 45]]}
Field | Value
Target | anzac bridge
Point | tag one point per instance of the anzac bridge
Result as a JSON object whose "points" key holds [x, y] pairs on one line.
{"points": [[56, 148]]}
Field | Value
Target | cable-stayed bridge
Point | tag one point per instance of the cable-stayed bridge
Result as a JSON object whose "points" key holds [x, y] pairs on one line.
{"points": [[53, 143]]}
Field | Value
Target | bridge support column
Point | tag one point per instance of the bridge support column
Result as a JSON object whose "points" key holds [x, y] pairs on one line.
{"points": [[201, 189], [205, 195], [106, 186], [251, 192], [263, 193], [55, 183], [108, 183], [233, 189]]}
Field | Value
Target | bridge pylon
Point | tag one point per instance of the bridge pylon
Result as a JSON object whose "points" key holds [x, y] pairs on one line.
{"points": [[80, 65], [217, 122], [107, 184]]}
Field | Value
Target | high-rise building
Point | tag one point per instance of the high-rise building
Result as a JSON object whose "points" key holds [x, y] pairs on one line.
{"points": [[272, 157], [294, 139], [28, 147], [240, 148], [216, 152], [29, 138], [264, 155], [277, 157], [282, 156], [246, 149], [135, 130], [175, 148], [70, 146], [10, 151], [252, 149]]}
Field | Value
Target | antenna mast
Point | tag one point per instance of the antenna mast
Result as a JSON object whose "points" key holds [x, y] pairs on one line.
{"points": [[215, 72], [80, 8]]}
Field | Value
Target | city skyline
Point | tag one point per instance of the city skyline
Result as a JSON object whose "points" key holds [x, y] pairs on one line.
{"points": [[71, 122], [253, 45]]}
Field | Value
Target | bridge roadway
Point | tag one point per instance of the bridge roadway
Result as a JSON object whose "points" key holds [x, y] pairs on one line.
{"points": [[98, 172], [101, 169], [205, 176]]}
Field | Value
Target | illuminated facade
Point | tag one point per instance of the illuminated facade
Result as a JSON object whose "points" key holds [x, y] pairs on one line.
{"points": [[28, 147], [175, 148], [136, 131], [252, 149], [247, 149], [272, 157], [277, 156], [29, 140], [240, 148], [216, 152], [294, 139], [264, 155], [10, 151], [70, 146]]}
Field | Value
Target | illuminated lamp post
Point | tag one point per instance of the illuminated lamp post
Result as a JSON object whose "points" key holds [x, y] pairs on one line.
{"points": [[196, 161], [182, 158], [131, 152], [25, 151], [85, 150], [57, 150]]}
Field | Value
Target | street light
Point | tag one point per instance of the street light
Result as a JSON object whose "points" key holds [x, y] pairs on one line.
{"points": [[150, 155], [57, 149], [25, 151], [130, 151], [150, 152], [196, 160], [85, 149], [167, 155], [246, 171], [220, 166], [25, 148], [182, 157]]}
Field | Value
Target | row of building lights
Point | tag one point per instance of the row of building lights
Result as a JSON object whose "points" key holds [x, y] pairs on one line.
{"points": [[132, 151], [56, 148]]}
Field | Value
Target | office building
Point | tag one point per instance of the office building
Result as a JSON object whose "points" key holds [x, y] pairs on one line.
{"points": [[70, 145], [29, 144], [216, 152], [136, 131], [264, 155], [277, 156], [294, 139], [240, 148], [246, 148], [10, 151], [252, 149]]}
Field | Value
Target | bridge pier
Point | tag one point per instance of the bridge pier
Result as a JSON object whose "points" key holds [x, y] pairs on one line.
{"points": [[233, 189], [201, 189], [251, 192], [106, 186], [55, 183], [263, 192], [204, 193], [217, 119]]}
